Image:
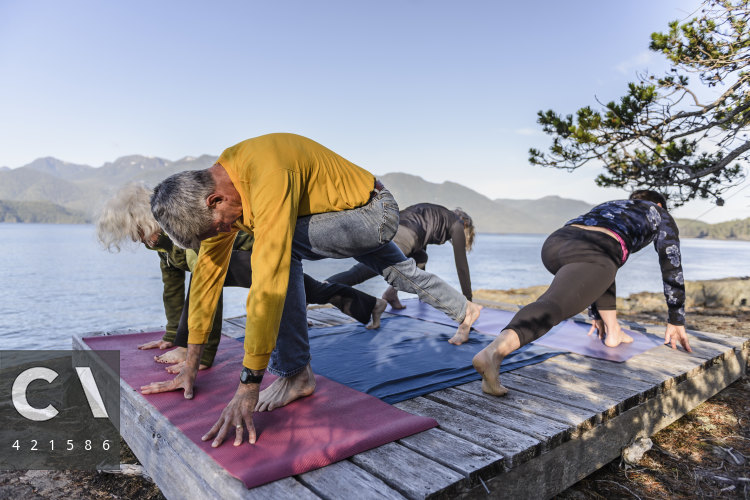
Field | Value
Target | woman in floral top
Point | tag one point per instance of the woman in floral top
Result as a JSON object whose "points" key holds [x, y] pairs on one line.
{"points": [[584, 256]]}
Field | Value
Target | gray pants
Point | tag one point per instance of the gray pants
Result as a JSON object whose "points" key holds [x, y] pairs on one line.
{"points": [[405, 240], [364, 233]]}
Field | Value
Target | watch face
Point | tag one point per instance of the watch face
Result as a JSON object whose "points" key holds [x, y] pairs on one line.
{"points": [[247, 377]]}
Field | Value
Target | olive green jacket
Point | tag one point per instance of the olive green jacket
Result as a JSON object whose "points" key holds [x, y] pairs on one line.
{"points": [[174, 263]]}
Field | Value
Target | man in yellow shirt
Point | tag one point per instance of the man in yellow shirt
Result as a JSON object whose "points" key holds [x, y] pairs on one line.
{"points": [[301, 201]]}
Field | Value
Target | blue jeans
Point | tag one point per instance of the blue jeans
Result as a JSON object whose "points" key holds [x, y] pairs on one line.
{"points": [[365, 234]]}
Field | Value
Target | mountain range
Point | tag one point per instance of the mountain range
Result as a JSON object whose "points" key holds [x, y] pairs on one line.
{"points": [[51, 190]]}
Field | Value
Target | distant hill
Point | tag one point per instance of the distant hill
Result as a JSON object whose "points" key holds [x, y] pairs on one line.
{"points": [[490, 216], [76, 193], [551, 211], [83, 188], [738, 229], [39, 212]]}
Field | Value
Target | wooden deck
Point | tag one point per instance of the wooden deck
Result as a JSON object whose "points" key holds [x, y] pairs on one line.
{"points": [[562, 420]]}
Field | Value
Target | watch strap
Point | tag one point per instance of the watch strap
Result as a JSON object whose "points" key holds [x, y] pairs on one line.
{"points": [[247, 377]]}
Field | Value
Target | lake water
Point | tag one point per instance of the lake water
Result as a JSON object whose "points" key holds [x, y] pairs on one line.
{"points": [[56, 281]]}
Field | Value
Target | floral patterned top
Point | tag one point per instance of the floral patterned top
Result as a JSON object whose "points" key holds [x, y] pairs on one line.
{"points": [[638, 223]]}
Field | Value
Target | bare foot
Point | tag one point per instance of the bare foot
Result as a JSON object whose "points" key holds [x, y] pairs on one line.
{"points": [[391, 297], [156, 344], [472, 314], [609, 329], [616, 337], [284, 390], [175, 369], [174, 356], [487, 361], [377, 311]]}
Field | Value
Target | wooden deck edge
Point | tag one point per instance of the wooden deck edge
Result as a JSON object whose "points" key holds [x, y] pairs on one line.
{"points": [[548, 474], [176, 464]]}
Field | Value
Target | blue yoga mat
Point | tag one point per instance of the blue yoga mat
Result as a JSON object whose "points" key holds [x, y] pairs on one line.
{"points": [[405, 357]]}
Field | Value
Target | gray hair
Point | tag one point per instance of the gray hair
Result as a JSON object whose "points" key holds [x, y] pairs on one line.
{"points": [[126, 216], [179, 204], [468, 227]]}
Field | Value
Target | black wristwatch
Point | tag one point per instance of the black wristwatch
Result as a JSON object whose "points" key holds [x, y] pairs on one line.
{"points": [[247, 377]]}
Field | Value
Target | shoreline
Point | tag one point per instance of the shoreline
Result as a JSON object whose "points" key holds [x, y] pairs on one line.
{"points": [[540, 234]]}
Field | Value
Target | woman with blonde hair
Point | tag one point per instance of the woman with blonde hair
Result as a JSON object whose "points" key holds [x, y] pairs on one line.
{"points": [[127, 217]]}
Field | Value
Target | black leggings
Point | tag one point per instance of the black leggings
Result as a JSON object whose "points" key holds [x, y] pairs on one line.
{"points": [[584, 263]]}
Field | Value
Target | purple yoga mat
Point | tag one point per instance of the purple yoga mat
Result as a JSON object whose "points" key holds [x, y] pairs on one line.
{"points": [[491, 321], [568, 335], [573, 336], [334, 423]]}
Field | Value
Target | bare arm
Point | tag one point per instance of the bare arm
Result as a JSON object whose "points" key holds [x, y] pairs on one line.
{"points": [[458, 240]]}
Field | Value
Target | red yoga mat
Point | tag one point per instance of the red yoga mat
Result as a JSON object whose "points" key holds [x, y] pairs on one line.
{"points": [[334, 423]]}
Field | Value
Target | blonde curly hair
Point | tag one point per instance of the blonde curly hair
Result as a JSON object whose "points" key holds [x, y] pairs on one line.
{"points": [[126, 216]]}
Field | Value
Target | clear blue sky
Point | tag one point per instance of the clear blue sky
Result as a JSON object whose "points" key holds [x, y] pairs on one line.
{"points": [[447, 90]]}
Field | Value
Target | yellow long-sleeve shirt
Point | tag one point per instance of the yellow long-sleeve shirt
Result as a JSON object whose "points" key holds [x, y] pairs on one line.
{"points": [[279, 177]]}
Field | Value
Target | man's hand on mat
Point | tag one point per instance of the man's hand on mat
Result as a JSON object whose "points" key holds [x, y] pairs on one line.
{"points": [[239, 411], [156, 344], [184, 380], [674, 334]]}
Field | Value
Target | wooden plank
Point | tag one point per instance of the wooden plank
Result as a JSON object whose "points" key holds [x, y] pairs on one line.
{"points": [[575, 417], [628, 392], [624, 397], [232, 330], [578, 362], [719, 338], [552, 472], [177, 465], [412, 474], [344, 480], [514, 446], [549, 432], [599, 403], [237, 321], [468, 459], [683, 364], [709, 350]]}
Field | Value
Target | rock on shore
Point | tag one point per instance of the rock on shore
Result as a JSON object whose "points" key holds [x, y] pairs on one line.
{"points": [[722, 294]]}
